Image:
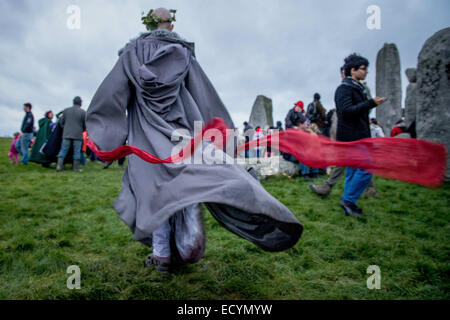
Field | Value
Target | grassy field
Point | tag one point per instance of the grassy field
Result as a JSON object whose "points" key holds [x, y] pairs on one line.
{"points": [[49, 221]]}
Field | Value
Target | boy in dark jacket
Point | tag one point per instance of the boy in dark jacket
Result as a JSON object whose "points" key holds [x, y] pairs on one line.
{"points": [[353, 109]]}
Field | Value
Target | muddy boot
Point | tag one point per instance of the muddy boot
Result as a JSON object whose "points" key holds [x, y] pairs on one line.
{"points": [[322, 190], [60, 164], [76, 166]]}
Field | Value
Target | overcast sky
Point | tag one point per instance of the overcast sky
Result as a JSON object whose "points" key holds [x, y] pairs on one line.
{"points": [[284, 49]]}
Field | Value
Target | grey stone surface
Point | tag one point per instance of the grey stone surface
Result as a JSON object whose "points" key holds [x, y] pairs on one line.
{"points": [[389, 85], [411, 73], [276, 165], [433, 91], [410, 99], [261, 114]]}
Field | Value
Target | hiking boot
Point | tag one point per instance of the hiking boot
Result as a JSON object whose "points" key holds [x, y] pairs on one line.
{"points": [[371, 191], [152, 262], [351, 209], [60, 164], [76, 166], [322, 190]]}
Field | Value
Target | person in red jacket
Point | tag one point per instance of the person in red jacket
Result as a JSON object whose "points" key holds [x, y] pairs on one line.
{"points": [[399, 128]]}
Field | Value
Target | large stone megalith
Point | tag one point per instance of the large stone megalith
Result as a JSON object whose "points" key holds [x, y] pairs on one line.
{"points": [[261, 112], [410, 99], [433, 91], [389, 85]]}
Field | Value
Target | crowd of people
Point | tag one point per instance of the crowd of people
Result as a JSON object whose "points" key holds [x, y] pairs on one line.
{"points": [[57, 142], [349, 121], [61, 141]]}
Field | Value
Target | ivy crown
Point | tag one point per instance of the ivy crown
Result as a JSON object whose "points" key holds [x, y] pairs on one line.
{"points": [[151, 20]]}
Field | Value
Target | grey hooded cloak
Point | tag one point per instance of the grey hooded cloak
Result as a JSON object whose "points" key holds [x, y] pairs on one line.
{"points": [[158, 82]]}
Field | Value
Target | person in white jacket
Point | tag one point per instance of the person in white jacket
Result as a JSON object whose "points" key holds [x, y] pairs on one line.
{"points": [[375, 130]]}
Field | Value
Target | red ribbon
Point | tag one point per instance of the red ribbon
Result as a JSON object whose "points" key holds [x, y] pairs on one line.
{"points": [[411, 160], [126, 150]]}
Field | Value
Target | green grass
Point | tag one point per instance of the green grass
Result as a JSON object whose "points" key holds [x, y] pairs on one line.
{"points": [[49, 221]]}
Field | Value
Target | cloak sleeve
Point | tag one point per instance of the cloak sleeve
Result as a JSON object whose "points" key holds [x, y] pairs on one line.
{"points": [[106, 120]]}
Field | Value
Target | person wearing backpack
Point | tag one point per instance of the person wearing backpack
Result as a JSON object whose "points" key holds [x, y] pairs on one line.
{"points": [[316, 113]]}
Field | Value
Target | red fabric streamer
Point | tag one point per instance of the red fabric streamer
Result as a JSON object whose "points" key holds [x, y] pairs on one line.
{"points": [[126, 150], [411, 160]]}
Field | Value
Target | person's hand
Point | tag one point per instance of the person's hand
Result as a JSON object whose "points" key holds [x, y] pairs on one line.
{"points": [[379, 100]]}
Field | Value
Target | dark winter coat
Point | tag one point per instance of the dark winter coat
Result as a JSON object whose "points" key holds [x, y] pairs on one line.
{"points": [[294, 119], [353, 109], [28, 123], [53, 145]]}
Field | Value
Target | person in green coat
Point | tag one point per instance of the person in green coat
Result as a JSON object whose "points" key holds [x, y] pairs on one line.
{"points": [[45, 129]]}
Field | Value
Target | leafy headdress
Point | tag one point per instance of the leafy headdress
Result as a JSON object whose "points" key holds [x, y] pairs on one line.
{"points": [[151, 20]]}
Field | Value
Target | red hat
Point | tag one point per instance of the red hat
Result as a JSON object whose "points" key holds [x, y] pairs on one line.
{"points": [[300, 104]]}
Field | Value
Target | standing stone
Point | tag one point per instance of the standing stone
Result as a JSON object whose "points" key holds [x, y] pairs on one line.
{"points": [[433, 91], [261, 113], [389, 85], [410, 100]]}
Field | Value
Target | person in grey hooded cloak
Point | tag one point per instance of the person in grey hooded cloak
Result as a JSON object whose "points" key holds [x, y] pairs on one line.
{"points": [[156, 87]]}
